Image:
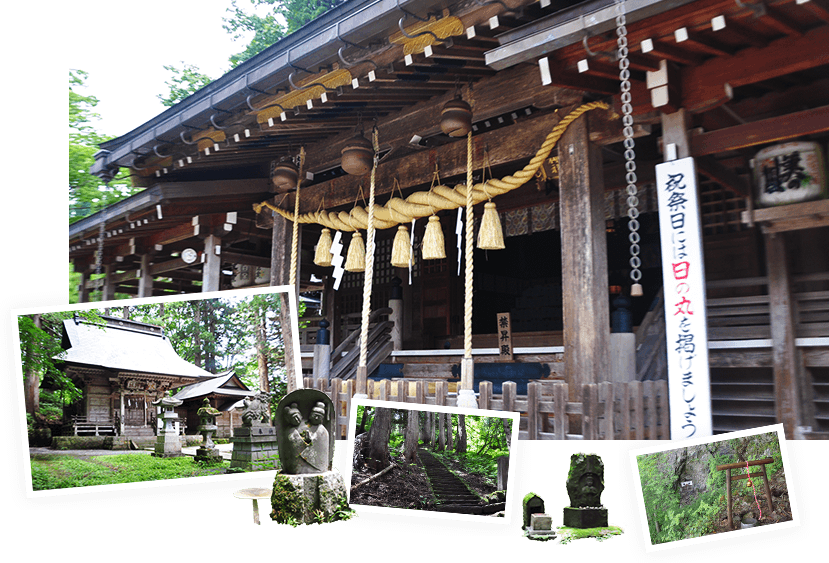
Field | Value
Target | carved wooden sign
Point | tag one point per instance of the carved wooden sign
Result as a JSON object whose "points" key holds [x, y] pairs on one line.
{"points": [[505, 336]]}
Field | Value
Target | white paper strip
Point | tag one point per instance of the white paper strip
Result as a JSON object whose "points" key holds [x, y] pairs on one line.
{"points": [[337, 259]]}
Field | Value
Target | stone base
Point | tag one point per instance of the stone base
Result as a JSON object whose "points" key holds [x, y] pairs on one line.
{"points": [[541, 527], [585, 517], [254, 448], [210, 455], [167, 445], [311, 498]]}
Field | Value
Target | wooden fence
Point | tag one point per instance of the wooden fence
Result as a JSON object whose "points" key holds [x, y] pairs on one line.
{"points": [[637, 410]]}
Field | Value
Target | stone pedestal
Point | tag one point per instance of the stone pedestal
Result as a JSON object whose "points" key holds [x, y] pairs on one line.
{"points": [[585, 517], [309, 498], [541, 527], [254, 448]]}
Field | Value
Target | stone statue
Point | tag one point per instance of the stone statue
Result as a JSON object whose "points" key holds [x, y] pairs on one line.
{"points": [[307, 489], [306, 432], [257, 411], [585, 484]]}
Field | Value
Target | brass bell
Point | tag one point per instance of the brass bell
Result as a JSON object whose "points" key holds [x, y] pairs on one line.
{"points": [[456, 118], [284, 176], [357, 155]]}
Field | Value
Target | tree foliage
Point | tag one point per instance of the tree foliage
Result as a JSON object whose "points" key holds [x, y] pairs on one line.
{"points": [[183, 81], [268, 21], [671, 520], [403, 430], [87, 193]]}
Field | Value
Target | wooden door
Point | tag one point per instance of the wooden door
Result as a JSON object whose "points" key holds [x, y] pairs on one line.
{"points": [[134, 410]]}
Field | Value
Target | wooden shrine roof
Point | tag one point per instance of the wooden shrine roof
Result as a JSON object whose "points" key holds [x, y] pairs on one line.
{"points": [[125, 347], [761, 78]]}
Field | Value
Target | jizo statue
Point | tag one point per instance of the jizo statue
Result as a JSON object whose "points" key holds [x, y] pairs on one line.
{"points": [[305, 432]]}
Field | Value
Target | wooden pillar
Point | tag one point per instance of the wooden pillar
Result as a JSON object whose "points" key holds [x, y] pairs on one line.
{"points": [[108, 289], [145, 280], [584, 260], [280, 250], [784, 354], [83, 290], [212, 268], [280, 275], [675, 132]]}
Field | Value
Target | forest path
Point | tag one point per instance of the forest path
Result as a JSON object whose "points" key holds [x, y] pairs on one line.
{"points": [[452, 493]]}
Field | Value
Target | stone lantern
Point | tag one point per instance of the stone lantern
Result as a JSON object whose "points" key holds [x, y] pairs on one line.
{"points": [[168, 443], [207, 427]]}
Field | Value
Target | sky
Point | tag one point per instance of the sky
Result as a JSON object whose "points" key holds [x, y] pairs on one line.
{"points": [[123, 46]]}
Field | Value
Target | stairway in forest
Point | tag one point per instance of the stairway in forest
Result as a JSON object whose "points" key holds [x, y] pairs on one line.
{"points": [[451, 492]]}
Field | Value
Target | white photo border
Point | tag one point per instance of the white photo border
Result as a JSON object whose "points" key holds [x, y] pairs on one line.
{"points": [[673, 445], [347, 471], [240, 293]]}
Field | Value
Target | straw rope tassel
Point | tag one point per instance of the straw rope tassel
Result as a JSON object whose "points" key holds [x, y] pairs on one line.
{"points": [[322, 254], [369, 275], [295, 234]]}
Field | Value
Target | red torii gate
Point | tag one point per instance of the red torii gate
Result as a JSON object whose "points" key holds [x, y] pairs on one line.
{"points": [[728, 467]]}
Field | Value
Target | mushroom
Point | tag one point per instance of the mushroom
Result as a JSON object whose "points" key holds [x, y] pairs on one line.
{"points": [[254, 494]]}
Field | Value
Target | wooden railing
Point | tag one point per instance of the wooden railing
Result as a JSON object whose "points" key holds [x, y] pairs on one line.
{"points": [[637, 410], [81, 425]]}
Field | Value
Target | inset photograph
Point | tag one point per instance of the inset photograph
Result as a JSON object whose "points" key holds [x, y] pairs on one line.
{"points": [[154, 389], [431, 459], [736, 482]]}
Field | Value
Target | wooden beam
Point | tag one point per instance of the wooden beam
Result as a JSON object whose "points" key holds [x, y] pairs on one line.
{"points": [[703, 86], [770, 130], [509, 90], [507, 145], [246, 259], [723, 176], [703, 83]]}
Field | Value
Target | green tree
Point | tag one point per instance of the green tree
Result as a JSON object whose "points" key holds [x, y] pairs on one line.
{"points": [[268, 21], [40, 350], [87, 193], [299, 12], [183, 81], [264, 30]]}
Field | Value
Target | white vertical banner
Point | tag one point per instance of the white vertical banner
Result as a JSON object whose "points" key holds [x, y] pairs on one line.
{"points": [[683, 278]]}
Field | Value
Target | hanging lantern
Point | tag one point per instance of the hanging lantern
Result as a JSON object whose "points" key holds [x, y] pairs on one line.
{"points": [[284, 176], [636, 290], [401, 251], [490, 235], [456, 118], [433, 240], [322, 256], [358, 155], [355, 261]]}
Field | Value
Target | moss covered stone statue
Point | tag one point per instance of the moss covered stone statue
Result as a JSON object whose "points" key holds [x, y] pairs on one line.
{"points": [[307, 489], [585, 484]]}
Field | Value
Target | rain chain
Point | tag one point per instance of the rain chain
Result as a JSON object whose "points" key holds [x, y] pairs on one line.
{"points": [[630, 155]]}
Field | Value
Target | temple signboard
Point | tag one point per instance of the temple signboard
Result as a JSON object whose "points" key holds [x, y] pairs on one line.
{"points": [[683, 278]]}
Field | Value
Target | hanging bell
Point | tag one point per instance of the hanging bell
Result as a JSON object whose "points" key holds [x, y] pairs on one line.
{"points": [[358, 155], [284, 176], [433, 240], [401, 250], [322, 256], [636, 290], [490, 235], [456, 118], [355, 261]]}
